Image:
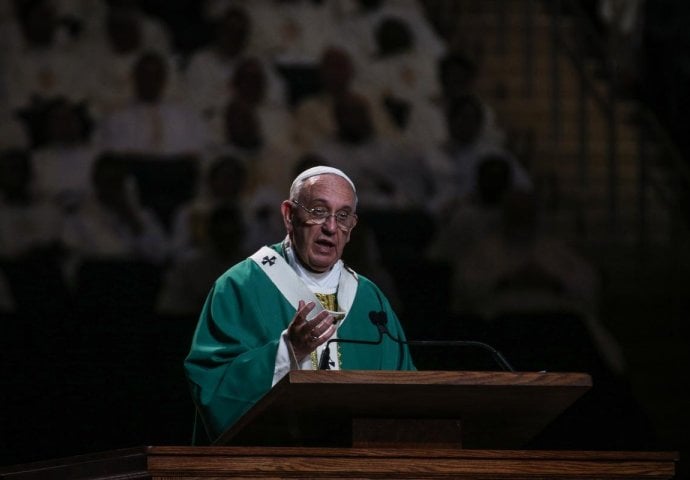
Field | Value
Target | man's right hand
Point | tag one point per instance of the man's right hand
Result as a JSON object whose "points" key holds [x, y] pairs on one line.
{"points": [[305, 335]]}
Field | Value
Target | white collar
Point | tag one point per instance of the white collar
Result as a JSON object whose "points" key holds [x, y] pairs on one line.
{"points": [[326, 282]]}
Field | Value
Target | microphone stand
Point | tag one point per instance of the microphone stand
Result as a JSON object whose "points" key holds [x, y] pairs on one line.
{"points": [[326, 354], [498, 357], [379, 319]]}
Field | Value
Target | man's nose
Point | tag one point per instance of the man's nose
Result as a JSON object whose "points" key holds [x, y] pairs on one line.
{"points": [[330, 223]]}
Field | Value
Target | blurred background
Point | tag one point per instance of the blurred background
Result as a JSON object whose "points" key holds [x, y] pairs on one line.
{"points": [[522, 170]]}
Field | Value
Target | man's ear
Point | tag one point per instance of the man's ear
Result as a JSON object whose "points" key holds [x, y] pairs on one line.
{"points": [[286, 212]]}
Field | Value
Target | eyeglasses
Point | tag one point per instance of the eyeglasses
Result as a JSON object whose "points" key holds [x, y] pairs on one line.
{"points": [[318, 216]]}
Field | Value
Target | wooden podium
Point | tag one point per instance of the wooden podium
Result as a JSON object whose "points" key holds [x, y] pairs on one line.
{"points": [[376, 424], [412, 409]]}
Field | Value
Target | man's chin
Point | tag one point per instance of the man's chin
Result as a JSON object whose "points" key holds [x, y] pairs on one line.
{"points": [[321, 264]]}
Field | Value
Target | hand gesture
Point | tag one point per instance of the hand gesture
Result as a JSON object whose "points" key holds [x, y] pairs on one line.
{"points": [[305, 335]]}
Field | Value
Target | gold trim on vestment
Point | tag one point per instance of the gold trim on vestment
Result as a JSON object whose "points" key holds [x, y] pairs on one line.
{"points": [[329, 301]]}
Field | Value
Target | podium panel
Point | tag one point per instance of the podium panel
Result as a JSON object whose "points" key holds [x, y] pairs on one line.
{"points": [[468, 409]]}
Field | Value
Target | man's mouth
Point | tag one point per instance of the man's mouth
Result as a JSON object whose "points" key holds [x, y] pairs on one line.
{"points": [[324, 244]]}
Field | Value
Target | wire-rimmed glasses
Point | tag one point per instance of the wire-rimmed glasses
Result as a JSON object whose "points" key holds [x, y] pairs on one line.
{"points": [[318, 215]]}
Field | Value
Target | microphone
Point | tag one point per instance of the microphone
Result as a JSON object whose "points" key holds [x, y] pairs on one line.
{"points": [[380, 319], [325, 361]]}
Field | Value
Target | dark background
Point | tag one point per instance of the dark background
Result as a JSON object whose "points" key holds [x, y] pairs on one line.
{"points": [[106, 372]]}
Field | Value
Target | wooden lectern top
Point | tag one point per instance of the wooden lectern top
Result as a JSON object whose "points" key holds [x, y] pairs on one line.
{"points": [[333, 408]]}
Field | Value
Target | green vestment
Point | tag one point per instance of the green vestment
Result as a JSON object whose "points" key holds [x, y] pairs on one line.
{"points": [[232, 358]]}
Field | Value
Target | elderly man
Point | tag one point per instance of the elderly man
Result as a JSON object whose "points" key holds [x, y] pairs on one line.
{"points": [[276, 310]]}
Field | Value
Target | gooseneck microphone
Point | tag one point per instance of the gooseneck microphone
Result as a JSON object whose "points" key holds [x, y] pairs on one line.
{"points": [[325, 362], [380, 320]]}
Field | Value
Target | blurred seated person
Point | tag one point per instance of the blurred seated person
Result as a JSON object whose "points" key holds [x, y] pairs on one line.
{"points": [[189, 278], [80, 18], [40, 59], [314, 120], [91, 18], [111, 224], [31, 280], [262, 221], [225, 181], [522, 268], [29, 223], [469, 220], [458, 75], [151, 123], [290, 32], [32, 253], [63, 160], [119, 36], [13, 132], [268, 164], [209, 68], [208, 75], [358, 21], [403, 79], [290, 35], [454, 161], [250, 82], [364, 255], [520, 265], [388, 175]]}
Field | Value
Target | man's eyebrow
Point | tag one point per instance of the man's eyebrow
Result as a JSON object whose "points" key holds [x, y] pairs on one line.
{"points": [[321, 202]]}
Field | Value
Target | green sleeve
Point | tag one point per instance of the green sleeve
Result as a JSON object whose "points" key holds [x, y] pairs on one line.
{"points": [[232, 357]]}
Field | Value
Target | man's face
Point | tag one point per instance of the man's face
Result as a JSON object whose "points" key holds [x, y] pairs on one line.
{"points": [[319, 247]]}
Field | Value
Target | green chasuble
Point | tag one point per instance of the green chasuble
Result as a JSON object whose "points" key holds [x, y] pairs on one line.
{"points": [[232, 358]]}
